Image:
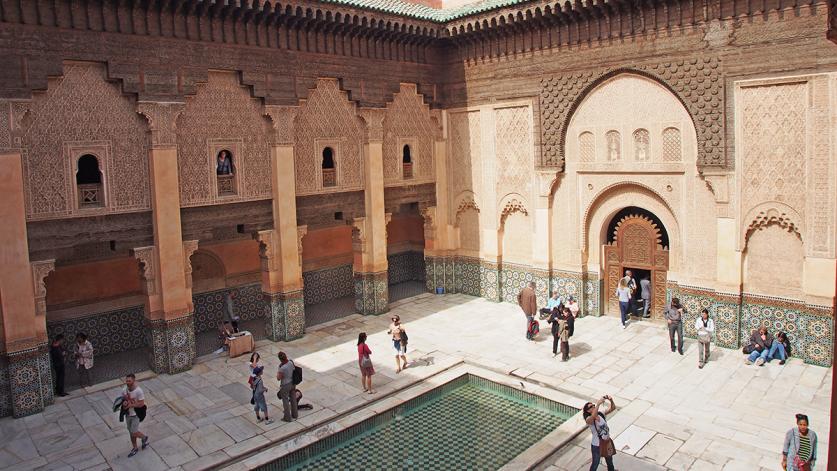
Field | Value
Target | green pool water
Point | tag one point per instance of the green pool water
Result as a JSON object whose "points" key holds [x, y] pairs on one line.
{"points": [[469, 423]]}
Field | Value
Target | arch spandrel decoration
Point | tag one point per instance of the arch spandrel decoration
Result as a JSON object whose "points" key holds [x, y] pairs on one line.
{"points": [[636, 244], [697, 83], [766, 214]]}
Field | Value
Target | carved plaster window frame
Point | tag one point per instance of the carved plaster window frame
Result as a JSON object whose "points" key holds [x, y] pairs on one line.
{"points": [[234, 147], [337, 154], [73, 150], [414, 156], [665, 126], [579, 132]]}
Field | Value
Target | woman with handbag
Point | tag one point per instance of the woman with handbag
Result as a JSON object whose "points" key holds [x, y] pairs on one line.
{"points": [[601, 445], [365, 363], [799, 452], [705, 327]]}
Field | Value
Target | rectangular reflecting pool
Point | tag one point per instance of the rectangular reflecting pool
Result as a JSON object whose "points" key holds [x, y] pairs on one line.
{"points": [[467, 423]]}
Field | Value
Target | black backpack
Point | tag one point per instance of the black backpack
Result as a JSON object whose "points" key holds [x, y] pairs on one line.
{"points": [[296, 376]]}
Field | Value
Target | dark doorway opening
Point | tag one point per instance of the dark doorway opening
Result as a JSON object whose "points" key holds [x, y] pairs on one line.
{"points": [[637, 303]]}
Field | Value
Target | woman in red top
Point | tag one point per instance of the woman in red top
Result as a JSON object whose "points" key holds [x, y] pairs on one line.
{"points": [[365, 363]]}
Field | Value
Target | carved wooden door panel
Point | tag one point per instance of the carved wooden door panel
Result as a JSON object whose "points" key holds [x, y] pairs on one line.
{"points": [[613, 272], [659, 280]]}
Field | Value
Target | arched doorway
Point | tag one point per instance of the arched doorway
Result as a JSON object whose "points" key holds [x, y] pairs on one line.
{"points": [[636, 240]]}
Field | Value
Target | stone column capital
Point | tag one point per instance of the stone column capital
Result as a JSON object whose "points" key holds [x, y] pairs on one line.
{"points": [[189, 248], [162, 121], [300, 234], [267, 249], [40, 270], [146, 258], [282, 119], [359, 234], [374, 119]]}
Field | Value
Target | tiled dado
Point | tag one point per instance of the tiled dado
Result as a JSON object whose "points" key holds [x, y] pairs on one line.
{"points": [[25, 382], [109, 332], [209, 306], [172, 344], [328, 283], [591, 298], [723, 308], [405, 266], [371, 293], [285, 315]]}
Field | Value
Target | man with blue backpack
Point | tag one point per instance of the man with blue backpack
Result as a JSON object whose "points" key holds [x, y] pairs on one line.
{"points": [[289, 375]]}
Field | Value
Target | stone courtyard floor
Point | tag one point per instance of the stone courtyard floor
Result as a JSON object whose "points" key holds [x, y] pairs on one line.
{"points": [[672, 415]]}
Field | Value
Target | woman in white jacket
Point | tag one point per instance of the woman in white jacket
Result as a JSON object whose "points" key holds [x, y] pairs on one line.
{"points": [[705, 328]]}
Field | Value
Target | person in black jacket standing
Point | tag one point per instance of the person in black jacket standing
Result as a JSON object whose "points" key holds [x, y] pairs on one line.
{"points": [[554, 320], [58, 354]]}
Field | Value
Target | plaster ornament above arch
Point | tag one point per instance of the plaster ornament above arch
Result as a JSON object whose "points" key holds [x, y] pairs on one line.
{"points": [[148, 268], [512, 204], [625, 221], [768, 214], [467, 203]]}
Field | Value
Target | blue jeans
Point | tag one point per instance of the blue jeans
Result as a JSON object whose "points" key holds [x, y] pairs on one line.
{"points": [[777, 351], [623, 310], [597, 458], [755, 354]]}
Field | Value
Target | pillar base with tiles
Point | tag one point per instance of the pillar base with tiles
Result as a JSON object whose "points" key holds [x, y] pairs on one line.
{"points": [[371, 293], [30, 387], [172, 344], [284, 316]]}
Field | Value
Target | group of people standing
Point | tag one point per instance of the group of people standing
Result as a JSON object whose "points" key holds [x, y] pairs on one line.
{"points": [[82, 357], [289, 376], [626, 293], [364, 354], [560, 314]]}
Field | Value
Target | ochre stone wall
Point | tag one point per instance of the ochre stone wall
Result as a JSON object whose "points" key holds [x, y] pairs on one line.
{"points": [[92, 282]]}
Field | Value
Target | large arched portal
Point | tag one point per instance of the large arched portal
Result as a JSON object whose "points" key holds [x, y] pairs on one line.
{"points": [[636, 241]]}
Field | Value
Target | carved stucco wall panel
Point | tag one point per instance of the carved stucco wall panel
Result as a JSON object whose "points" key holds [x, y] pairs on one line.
{"points": [[513, 149], [328, 114], [697, 82], [222, 110], [407, 117], [763, 269], [465, 169], [98, 112]]}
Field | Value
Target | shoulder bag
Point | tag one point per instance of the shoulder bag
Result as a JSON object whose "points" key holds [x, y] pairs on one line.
{"points": [[606, 446]]}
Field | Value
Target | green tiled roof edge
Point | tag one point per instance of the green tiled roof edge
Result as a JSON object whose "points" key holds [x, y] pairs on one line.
{"points": [[422, 12]]}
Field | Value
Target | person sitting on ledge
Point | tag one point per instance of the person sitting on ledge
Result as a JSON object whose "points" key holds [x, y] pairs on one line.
{"points": [[780, 349], [551, 303], [760, 342]]}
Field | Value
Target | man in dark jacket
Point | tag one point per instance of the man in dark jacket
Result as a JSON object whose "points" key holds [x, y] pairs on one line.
{"points": [[528, 302], [674, 318], [760, 343]]}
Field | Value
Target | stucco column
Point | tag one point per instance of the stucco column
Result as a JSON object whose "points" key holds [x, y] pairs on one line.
{"points": [[169, 310], [280, 248], [439, 254], [24, 347], [490, 273], [369, 233], [541, 239]]}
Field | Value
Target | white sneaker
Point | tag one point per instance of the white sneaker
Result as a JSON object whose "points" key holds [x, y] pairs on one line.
{"points": [[759, 361], [624, 326]]}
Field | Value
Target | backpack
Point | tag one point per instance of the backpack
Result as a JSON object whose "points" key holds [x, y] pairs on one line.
{"points": [[296, 376], [534, 329]]}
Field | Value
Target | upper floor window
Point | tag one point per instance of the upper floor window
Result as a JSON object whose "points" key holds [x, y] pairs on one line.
{"points": [[641, 139], [614, 146], [225, 173], [89, 182], [329, 173], [407, 161], [672, 145]]}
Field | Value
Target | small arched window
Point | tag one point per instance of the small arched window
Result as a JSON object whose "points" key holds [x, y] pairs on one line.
{"points": [[407, 161], [329, 175], [89, 182], [225, 172]]}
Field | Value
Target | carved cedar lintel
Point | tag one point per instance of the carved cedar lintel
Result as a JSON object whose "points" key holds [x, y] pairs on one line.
{"points": [[267, 249], [282, 118], [40, 270], [300, 234], [189, 247], [162, 121], [146, 257], [374, 119]]}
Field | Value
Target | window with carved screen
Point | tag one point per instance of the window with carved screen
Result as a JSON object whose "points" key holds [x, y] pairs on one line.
{"points": [[407, 162], [586, 147], [641, 145], [329, 171], [225, 173], [672, 145], [614, 146], [89, 182]]}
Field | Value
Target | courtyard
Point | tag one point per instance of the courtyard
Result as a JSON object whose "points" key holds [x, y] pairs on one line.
{"points": [[671, 415]]}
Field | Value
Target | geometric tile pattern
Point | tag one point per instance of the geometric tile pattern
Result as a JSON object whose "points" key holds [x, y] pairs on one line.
{"points": [[285, 316], [328, 283], [569, 284], [109, 332], [5, 387], [209, 306], [723, 309], [371, 293], [172, 344], [30, 380], [592, 294], [405, 266], [453, 427]]}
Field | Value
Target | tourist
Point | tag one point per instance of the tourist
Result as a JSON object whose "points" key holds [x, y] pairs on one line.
{"points": [[780, 349], [554, 321], [364, 361], [624, 296], [674, 317], [134, 405], [285, 377], [572, 304], [224, 163], [229, 311], [255, 362], [602, 445], [551, 304], [84, 359], [705, 327], [560, 332], [760, 342], [399, 343], [527, 300], [58, 354], [631, 284], [259, 401], [799, 452], [645, 292], [570, 318]]}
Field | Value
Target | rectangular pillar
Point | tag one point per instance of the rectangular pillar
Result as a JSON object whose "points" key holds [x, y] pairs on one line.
{"points": [[24, 332]]}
